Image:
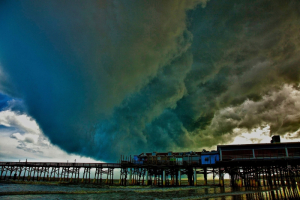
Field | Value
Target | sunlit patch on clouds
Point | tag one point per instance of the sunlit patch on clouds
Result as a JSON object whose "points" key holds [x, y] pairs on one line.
{"points": [[261, 135], [21, 138], [277, 113], [12, 119]]}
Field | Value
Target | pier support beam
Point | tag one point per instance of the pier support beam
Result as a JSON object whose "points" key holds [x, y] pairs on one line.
{"points": [[130, 176], [190, 176], [205, 175], [221, 178], [195, 176], [179, 177], [147, 171], [164, 177]]}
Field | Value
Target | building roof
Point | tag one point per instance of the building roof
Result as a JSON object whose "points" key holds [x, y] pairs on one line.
{"points": [[259, 146]]}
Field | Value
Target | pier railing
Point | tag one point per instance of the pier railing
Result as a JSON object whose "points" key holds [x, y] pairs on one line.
{"points": [[57, 164]]}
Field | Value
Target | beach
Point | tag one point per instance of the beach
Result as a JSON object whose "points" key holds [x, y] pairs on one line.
{"points": [[56, 190]]}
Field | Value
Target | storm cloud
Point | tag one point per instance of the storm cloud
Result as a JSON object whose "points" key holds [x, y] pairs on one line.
{"points": [[106, 78]]}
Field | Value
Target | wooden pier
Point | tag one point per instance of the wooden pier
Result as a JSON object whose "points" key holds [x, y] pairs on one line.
{"points": [[248, 173], [63, 172]]}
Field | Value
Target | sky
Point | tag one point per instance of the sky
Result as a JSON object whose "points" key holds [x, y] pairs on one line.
{"points": [[94, 80]]}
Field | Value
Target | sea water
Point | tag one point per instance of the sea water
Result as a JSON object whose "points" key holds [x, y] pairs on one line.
{"points": [[39, 191]]}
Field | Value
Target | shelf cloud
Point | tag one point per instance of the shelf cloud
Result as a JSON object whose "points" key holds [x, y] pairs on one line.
{"points": [[105, 78]]}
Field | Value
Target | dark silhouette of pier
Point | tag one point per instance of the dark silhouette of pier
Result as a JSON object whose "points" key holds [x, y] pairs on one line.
{"points": [[254, 172]]}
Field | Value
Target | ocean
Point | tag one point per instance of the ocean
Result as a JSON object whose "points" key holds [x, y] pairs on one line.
{"points": [[37, 190]]}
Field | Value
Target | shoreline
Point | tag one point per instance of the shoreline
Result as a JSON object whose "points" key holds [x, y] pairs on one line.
{"points": [[86, 189], [204, 196], [97, 185]]}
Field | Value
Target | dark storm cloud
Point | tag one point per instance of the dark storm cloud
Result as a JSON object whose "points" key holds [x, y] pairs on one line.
{"points": [[106, 78], [247, 50], [148, 125], [74, 62], [244, 51]]}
